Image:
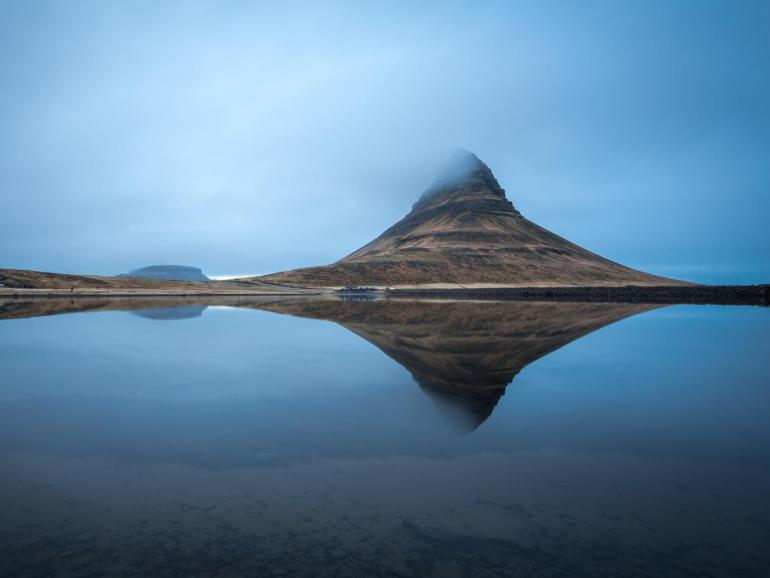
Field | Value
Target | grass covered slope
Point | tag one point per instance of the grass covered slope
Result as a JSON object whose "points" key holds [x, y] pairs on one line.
{"points": [[18, 280]]}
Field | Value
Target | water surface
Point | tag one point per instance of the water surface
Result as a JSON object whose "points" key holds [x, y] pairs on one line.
{"points": [[395, 438]]}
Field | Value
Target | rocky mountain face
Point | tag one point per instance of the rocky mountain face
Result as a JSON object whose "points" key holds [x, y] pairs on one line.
{"points": [[168, 273], [464, 230]]}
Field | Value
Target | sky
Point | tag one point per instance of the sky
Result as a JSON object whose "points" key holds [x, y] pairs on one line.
{"points": [[249, 137]]}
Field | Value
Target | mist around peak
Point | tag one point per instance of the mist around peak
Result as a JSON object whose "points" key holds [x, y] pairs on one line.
{"points": [[463, 169]]}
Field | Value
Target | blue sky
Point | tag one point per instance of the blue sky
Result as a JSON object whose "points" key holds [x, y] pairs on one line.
{"points": [[248, 137]]}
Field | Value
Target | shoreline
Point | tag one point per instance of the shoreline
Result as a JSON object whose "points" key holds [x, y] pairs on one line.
{"points": [[122, 293], [695, 294]]}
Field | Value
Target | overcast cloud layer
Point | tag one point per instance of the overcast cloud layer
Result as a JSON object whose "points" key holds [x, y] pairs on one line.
{"points": [[244, 137]]}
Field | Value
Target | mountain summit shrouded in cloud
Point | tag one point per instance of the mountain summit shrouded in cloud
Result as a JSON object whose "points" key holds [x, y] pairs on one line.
{"points": [[463, 230]]}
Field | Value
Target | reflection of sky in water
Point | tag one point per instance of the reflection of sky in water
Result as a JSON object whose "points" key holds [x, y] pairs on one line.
{"points": [[681, 381], [658, 420]]}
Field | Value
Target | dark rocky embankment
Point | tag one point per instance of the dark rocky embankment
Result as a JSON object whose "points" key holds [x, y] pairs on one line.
{"points": [[697, 294]]}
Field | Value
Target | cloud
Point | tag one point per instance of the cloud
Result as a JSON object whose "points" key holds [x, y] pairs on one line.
{"points": [[243, 137]]}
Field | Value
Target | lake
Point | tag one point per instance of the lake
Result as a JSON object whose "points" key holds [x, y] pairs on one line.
{"points": [[296, 437]]}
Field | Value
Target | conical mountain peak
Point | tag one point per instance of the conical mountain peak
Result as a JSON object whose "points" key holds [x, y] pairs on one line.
{"points": [[463, 173], [464, 231]]}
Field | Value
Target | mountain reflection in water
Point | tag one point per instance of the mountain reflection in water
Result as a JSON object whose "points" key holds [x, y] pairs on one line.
{"points": [[171, 313], [463, 354]]}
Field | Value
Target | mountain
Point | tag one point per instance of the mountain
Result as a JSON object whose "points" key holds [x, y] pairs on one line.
{"points": [[463, 230], [463, 354], [168, 273]]}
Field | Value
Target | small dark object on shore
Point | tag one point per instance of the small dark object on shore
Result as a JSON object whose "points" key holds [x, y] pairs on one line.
{"points": [[357, 290]]}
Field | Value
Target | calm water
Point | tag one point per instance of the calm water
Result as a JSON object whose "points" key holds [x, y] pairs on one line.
{"points": [[393, 438]]}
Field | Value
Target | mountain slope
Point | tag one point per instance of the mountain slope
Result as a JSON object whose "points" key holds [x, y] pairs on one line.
{"points": [[463, 230]]}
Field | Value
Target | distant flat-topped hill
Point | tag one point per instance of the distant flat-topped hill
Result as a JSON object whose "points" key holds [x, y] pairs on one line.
{"points": [[464, 231], [168, 273]]}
